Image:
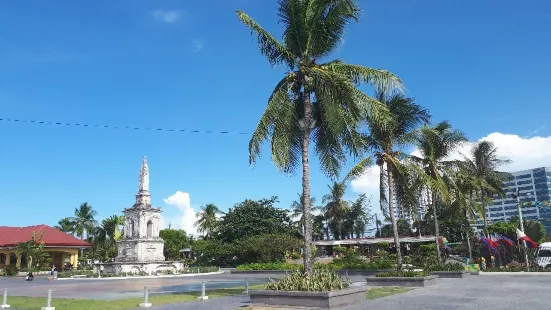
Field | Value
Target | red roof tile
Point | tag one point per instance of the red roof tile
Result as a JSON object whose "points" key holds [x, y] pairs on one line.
{"points": [[11, 236]]}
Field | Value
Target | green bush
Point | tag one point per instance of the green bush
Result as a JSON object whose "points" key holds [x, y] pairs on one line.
{"points": [[68, 274], [382, 245], [353, 261], [339, 250], [10, 271], [318, 281], [270, 266], [403, 273], [295, 256], [443, 267], [518, 269]]}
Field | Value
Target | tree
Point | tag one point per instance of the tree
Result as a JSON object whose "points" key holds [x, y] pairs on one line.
{"points": [[482, 165], [207, 220], [65, 225], [436, 144], [297, 208], [83, 221], [33, 249], [335, 209], [254, 217], [359, 216], [254, 249], [385, 137], [175, 240], [314, 100]]}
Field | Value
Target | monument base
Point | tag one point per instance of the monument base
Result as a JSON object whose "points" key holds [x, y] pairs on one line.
{"points": [[145, 305], [147, 268]]}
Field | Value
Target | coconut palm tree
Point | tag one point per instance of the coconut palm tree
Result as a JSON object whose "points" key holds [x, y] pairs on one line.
{"points": [[83, 221], [314, 100], [436, 144], [297, 208], [386, 138], [336, 209], [65, 225], [358, 216], [482, 165], [207, 220]]}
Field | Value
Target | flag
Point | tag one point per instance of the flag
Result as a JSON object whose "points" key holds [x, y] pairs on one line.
{"points": [[504, 239], [489, 243], [495, 241], [523, 237]]}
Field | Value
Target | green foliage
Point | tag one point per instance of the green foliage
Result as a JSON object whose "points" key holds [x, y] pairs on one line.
{"points": [[267, 248], [270, 266], [175, 240], [207, 220], [443, 267], [340, 250], [10, 270], [403, 273], [382, 245], [33, 249], [254, 217], [318, 281], [353, 261], [533, 229]]}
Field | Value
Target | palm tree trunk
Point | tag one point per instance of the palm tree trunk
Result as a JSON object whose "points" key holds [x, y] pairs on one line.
{"points": [[467, 233], [483, 211], [393, 219], [436, 228], [306, 185]]}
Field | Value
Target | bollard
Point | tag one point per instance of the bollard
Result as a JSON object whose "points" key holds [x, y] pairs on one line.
{"points": [[347, 273], [203, 295], [246, 287], [198, 270], [145, 303], [5, 303], [48, 302]]}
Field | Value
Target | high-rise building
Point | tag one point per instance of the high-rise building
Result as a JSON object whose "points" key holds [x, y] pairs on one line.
{"points": [[533, 186]]}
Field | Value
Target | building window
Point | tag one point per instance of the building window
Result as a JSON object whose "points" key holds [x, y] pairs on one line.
{"points": [[131, 232], [150, 229]]}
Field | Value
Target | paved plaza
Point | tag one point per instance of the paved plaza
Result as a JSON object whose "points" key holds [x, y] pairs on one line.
{"points": [[475, 292]]}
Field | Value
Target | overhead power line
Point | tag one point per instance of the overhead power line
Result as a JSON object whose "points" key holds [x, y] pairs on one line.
{"points": [[120, 127]]}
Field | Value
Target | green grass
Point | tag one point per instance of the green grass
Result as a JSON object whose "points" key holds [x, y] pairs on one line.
{"points": [[379, 292], [32, 303]]}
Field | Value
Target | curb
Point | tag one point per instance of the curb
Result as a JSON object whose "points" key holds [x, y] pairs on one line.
{"points": [[518, 273], [148, 277]]}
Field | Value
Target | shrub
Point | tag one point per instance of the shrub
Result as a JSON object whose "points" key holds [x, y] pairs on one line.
{"points": [[295, 256], [270, 266], [444, 267], [339, 250], [403, 273], [382, 245], [10, 271], [318, 281]]}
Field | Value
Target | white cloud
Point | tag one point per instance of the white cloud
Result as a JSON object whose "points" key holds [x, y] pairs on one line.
{"points": [[525, 153], [186, 217], [197, 45], [169, 17]]}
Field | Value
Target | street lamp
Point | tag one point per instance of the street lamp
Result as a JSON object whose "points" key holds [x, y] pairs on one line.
{"points": [[517, 196]]}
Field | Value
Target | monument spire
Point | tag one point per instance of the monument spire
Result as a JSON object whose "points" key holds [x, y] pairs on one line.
{"points": [[143, 198]]}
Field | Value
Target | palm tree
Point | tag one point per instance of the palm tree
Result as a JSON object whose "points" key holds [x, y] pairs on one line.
{"points": [[336, 208], [385, 138], [436, 144], [483, 165], [207, 220], [313, 100], [359, 216], [83, 222], [297, 208], [65, 225]]}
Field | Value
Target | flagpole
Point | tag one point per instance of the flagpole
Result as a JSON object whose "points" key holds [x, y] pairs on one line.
{"points": [[522, 228]]}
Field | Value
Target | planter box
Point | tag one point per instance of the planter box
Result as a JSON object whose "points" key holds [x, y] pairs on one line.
{"points": [[309, 299], [451, 274], [402, 281]]}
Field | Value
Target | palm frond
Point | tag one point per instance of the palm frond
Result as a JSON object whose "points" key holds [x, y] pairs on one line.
{"points": [[275, 52]]}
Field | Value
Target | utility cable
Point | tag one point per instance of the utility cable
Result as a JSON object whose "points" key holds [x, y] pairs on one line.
{"points": [[119, 127]]}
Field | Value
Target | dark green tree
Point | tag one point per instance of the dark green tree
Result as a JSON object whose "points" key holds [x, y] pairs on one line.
{"points": [[252, 218], [175, 240]]}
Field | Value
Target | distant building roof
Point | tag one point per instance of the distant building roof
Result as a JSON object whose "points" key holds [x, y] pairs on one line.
{"points": [[12, 236], [373, 240]]}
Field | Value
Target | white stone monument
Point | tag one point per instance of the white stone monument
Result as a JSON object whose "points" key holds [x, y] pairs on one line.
{"points": [[141, 249]]}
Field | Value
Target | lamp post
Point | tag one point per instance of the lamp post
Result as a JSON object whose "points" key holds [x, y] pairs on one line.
{"points": [[517, 196]]}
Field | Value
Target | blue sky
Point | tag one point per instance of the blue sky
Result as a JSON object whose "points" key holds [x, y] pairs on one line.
{"points": [[482, 65]]}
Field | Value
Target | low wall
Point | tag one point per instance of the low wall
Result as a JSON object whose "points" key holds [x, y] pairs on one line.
{"points": [[451, 274], [308, 299], [402, 281]]}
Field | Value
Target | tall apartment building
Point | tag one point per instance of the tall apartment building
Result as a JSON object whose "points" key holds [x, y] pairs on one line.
{"points": [[534, 186]]}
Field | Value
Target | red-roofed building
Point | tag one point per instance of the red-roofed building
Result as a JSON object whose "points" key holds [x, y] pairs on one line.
{"points": [[58, 244]]}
